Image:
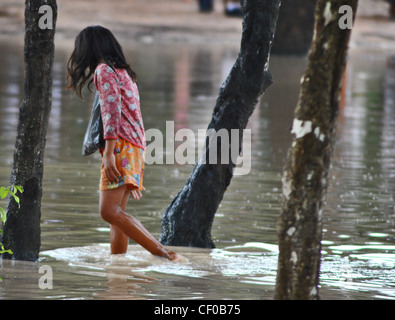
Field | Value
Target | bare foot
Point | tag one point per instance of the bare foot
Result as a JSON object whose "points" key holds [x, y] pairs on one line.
{"points": [[178, 258]]}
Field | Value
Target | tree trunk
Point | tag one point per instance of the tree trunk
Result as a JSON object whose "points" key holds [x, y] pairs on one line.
{"points": [[294, 27], [188, 219], [22, 228], [305, 179]]}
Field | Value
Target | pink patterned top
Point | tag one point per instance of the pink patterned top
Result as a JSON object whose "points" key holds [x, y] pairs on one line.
{"points": [[117, 91]]}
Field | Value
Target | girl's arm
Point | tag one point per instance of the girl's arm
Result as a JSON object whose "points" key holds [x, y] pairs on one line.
{"points": [[110, 167], [110, 100]]}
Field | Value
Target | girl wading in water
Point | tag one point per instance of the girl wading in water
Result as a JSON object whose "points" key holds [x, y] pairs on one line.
{"points": [[97, 53]]}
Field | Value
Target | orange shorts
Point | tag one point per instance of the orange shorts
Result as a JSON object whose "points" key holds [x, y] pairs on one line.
{"points": [[129, 160]]}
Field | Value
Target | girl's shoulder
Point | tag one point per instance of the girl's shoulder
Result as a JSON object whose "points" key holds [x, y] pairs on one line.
{"points": [[109, 73], [104, 74], [103, 67]]}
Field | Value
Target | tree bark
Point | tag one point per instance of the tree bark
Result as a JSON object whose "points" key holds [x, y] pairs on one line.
{"points": [[22, 228], [188, 219], [305, 178]]}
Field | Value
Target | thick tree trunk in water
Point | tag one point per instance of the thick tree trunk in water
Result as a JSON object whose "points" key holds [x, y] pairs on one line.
{"points": [[188, 219], [305, 179], [22, 228]]}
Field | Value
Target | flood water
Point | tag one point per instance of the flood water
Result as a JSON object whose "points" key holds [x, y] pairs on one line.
{"points": [[180, 83]]}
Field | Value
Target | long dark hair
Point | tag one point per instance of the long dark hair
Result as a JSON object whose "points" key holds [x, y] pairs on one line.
{"points": [[93, 45]]}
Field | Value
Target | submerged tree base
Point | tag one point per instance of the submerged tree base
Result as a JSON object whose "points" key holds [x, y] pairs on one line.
{"points": [[22, 233], [188, 219], [305, 179]]}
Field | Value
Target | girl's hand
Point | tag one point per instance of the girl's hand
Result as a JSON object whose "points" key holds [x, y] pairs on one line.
{"points": [[110, 168], [136, 194]]}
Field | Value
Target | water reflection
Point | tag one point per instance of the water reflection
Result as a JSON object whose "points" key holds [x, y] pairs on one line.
{"points": [[358, 160], [181, 83]]}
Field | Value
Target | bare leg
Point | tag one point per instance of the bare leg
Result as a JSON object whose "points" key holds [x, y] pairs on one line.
{"points": [[119, 240], [111, 211]]}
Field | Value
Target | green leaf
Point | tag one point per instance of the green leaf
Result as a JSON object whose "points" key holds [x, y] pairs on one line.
{"points": [[16, 198], [11, 190], [3, 215], [19, 188], [4, 192], [2, 250]]}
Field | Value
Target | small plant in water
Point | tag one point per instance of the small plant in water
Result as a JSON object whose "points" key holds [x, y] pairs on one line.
{"points": [[4, 192]]}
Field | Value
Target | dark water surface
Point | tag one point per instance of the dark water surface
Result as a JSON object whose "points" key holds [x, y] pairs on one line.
{"points": [[180, 83]]}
